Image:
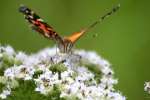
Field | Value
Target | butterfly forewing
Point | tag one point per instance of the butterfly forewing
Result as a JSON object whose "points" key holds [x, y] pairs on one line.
{"points": [[39, 25]]}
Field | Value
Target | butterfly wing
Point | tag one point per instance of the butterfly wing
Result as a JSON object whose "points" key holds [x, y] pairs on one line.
{"points": [[75, 36], [39, 25]]}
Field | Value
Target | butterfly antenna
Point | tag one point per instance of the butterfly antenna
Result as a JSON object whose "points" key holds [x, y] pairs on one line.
{"points": [[102, 18]]}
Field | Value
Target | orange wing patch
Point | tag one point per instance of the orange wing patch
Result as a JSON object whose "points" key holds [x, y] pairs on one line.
{"points": [[75, 36]]}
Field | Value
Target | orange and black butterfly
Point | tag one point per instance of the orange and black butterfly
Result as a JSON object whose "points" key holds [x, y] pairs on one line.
{"points": [[64, 44]]}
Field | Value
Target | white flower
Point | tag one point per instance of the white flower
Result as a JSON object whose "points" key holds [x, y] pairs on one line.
{"points": [[75, 80], [21, 71], [84, 76], [147, 87], [40, 88], [9, 50], [21, 56], [4, 94], [11, 72], [115, 96], [1, 55]]}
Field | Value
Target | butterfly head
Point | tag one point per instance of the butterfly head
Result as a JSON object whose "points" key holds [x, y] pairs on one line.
{"points": [[66, 46]]}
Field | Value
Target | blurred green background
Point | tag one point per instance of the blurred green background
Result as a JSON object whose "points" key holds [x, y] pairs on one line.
{"points": [[123, 38]]}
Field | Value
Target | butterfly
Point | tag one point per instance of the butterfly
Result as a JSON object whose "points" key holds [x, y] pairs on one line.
{"points": [[65, 44]]}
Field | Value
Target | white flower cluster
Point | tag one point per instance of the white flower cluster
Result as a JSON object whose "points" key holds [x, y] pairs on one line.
{"points": [[69, 72], [147, 87]]}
